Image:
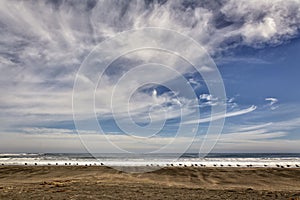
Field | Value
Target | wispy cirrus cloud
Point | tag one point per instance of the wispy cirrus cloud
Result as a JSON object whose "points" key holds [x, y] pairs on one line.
{"points": [[272, 102], [44, 51], [220, 116]]}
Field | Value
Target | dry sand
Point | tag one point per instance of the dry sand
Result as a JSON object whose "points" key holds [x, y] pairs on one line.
{"points": [[95, 182]]}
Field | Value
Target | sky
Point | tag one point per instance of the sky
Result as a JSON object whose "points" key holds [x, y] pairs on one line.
{"points": [[54, 84]]}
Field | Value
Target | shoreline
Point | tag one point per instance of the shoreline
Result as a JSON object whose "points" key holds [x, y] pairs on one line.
{"points": [[160, 165], [101, 182]]}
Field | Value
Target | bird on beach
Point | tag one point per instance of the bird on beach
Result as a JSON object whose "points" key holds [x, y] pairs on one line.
{"points": [[266, 165], [297, 165], [238, 165], [278, 165], [288, 165], [221, 165]]}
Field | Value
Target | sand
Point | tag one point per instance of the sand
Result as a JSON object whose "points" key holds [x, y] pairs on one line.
{"points": [[96, 182]]}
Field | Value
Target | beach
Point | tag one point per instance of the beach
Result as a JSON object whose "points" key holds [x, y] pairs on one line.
{"points": [[100, 182]]}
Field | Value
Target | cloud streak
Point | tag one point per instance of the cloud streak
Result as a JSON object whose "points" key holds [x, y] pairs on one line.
{"points": [[217, 117]]}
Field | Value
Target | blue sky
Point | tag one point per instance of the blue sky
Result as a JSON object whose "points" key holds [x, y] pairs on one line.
{"points": [[254, 44]]}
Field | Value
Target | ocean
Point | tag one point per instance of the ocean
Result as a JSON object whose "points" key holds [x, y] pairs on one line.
{"points": [[291, 160]]}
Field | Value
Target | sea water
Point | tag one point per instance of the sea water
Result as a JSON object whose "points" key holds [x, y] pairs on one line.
{"points": [[189, 159]]}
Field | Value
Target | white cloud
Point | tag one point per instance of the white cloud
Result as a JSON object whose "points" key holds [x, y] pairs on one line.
{"points": [[272, 100], [259, 137], [220, 116], [257, 146], [207, 97], [254, 127], [63, 140], [264, 21], [262, 31], [272, 103]]}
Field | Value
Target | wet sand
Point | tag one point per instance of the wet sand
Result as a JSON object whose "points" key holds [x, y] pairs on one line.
{"points": [[96, 182]]}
